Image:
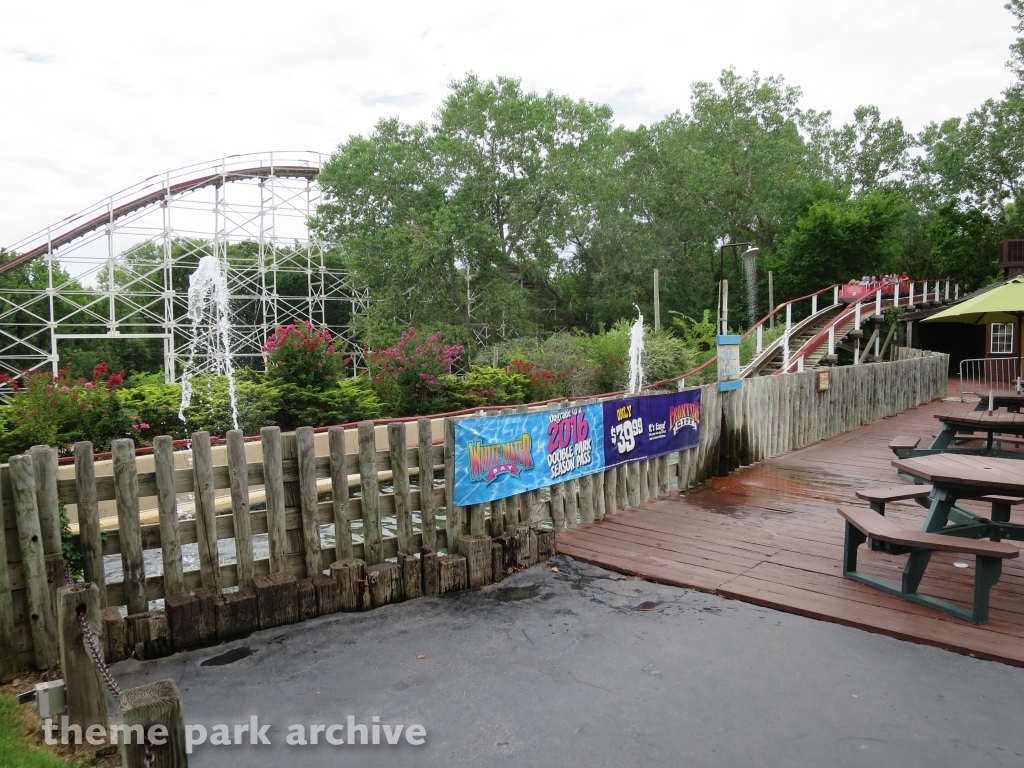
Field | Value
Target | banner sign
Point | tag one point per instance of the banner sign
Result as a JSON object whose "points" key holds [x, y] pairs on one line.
{"points": [[645, 427], [499, 456]]}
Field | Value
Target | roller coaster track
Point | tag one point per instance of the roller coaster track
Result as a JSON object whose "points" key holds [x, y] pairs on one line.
{"points": [[117, 269], [73, 227]]}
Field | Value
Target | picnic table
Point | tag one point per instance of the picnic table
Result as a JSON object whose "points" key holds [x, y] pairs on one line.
{"points": [[1011, 401], [955, 476], [960, 425], [947, 527]]}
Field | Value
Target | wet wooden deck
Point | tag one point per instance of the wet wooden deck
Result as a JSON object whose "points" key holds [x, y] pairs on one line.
{"points": [[770, 535]]}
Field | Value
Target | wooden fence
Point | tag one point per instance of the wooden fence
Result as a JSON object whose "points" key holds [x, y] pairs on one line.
{"points": [[768, 416]]}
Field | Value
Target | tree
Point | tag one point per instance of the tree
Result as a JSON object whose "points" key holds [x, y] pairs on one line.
{"points": [[460, 225], [837, 240]]}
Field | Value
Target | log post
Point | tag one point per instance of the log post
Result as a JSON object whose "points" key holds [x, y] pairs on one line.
{"points": [[157, 708], [306, 454], [451, 573], [126, 491], [115, 643], [44, 464], [400, 482], [610, 490], [621, 486], [238, 476], [384, 581], [373, 547], [570, 502], [42, 619], [453, 513], [428, 523], [167, 507], [431, 572], [339, 494], [477, 550], [412, 575], [347, 577], [558, 506], [305, 599], [273, 479], [83, 686], [586, 499], [206, 512], [8, 651], [89, 535], [276, 599], [633, 483], [236, 615]]}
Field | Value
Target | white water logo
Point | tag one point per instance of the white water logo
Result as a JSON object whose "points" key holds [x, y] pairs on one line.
{"points": [[208, 311]]}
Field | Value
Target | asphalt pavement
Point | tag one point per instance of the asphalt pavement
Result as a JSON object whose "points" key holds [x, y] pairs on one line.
{"points": [[584, 667]]}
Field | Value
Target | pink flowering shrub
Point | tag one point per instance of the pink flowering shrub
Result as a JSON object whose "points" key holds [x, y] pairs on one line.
{"points": [[301, 355], [408, 377], [63, 409]]}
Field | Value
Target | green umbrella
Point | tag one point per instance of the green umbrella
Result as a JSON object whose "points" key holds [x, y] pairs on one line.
{"points": [[1004, 304]]}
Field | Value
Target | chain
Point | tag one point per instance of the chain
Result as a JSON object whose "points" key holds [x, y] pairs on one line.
{"points": [[150, 757], [97, 658], [68, 578]]}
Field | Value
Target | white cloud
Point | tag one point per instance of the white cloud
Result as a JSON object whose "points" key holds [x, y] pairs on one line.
{"points": [[98, 97]]}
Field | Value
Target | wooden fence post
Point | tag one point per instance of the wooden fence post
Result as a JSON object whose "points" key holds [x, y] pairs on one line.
{"points": [[453, 513], [586, 499], [167, 507], [373, 547], [238, 476], [398, 450], [273, 480], [306, 455], [126, 491], [206, 512], [151, 705], [83, 685], [339, 494], [425, 456], [8, 652], [44, 464], [42, 619], [89, 535]]}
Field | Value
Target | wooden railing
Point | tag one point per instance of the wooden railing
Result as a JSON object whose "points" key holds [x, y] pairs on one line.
{"points": [[768, 416]]}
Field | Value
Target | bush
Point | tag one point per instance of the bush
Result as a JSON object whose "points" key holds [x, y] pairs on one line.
{"points": [[485, 386], [153, 406], [210, 409], [349, 400], [544, 385], [61, 410], [408, 377], [304, 357]]}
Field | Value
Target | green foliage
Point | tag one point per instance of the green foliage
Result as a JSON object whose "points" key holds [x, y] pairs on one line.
{"points": [[210, 409], [859, 236], [62, 411], [153, 406], [72, 556], [700, 335], [20, 740], [485, 386], [347, 401]]}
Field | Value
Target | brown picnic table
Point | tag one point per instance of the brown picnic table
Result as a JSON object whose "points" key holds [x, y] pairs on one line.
{"points": [[953, 476], [959, 425], [1011, 401]]}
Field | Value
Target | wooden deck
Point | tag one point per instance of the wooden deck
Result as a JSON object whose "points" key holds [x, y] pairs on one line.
{"points": [[770, 535]]}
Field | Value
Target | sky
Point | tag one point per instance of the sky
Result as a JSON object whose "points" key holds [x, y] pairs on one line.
{"points": [[98, 96]]}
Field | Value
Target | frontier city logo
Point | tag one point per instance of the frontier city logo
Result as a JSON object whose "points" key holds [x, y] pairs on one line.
{"points": [[235, 734]]}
